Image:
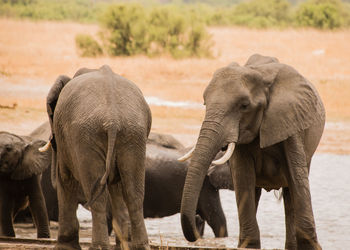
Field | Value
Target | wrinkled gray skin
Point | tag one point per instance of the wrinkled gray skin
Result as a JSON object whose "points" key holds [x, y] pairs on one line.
{"points": [[164, 179], [100, 124], [21, 165], [276, 119]]}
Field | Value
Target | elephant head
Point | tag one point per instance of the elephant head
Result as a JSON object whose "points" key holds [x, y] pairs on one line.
{"points": [[20, 158], [263, 100]]}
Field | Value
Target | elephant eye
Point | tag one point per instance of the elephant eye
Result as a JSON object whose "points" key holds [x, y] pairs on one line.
{"points": [[8, 148], [244, 106]]}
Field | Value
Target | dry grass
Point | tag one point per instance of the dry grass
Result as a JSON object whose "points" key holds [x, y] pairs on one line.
{"points": [[35, 53]]}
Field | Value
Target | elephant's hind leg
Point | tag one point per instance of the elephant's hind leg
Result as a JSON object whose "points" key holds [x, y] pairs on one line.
{"points": [[68, 232], [131, 165], [121, 221], [91, 167]]}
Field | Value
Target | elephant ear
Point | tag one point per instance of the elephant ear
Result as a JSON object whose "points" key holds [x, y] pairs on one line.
{"points": [[258, 59], [33, 162], [293, 103], [82, 71], [54, 93]]}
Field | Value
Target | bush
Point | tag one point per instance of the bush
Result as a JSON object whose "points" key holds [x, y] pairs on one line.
{"points": [[125, 30], [131, 29], [87, 46], [262, 14], [323, 14]]}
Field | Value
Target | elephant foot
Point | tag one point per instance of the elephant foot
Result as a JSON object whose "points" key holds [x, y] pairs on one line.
{"points": [[140, 246], [200, 223], [61, 246], [67, 243], [291, 245], [249, 243], [101, 248], [308, 245]]}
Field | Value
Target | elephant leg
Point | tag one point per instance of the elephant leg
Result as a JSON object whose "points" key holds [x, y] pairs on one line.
{"points": [[257, 198], [291, 243], [68, 231], [100, 239], [243, 174], [6, 217], [131, 165], [298, 183], [121, 221], [210, 209], [38, 209], [200, 224], [90, 167]]}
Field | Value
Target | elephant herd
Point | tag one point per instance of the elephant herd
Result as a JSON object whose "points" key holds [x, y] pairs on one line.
{"points": [[263, 122]]}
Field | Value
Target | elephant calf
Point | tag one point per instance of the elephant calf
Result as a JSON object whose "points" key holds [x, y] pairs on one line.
{"points": [[21, 165], [164, 182]]}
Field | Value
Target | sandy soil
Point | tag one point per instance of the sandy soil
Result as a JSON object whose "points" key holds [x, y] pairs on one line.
{"points": [[33, 54]]}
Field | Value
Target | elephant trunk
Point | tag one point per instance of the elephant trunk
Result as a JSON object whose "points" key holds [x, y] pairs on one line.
{"points": [[208, 144]]}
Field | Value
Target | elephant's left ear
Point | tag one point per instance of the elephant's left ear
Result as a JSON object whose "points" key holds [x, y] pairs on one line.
{"points": [[293, 104], [33, 163]]}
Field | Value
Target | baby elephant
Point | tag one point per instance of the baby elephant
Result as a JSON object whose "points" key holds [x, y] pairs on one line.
{"points": [[21, 165], [164, 182]]}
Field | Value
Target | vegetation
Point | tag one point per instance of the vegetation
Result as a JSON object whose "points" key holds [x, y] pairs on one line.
{"points": [[130, 29], [88, 47], [176, 27]]}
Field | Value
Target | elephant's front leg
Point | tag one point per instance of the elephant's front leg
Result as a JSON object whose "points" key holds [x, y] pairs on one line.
{"points": [[38, 208], [243, 174], [131, 165], [298, 181], [291, 243], [6, 213]]}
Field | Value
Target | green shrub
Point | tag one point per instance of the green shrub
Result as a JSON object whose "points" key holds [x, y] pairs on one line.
{"points": [[323, 14], [262, 14], [132, 29], [87, 46], [125, 29]]}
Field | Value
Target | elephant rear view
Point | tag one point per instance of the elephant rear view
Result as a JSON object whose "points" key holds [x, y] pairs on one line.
{"points": [[100, 123]]}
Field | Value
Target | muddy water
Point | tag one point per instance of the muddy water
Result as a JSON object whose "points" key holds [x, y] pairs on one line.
{"points": [[330, 190]]}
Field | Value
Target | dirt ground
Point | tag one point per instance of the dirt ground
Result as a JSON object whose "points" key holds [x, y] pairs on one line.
{"points": [[33, 54]]}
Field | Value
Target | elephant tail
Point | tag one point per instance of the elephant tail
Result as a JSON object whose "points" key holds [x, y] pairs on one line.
{"points": [[101, 183]]}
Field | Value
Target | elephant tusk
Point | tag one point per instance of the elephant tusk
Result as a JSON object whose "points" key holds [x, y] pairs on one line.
{"points": [[227, 155], [45, 147], [188, 155]]}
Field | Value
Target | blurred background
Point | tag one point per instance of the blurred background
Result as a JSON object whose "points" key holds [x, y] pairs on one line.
{"points": [[170, 49]]}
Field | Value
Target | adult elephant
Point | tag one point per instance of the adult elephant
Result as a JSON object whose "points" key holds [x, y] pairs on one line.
{"points": [[100, 124], [270, 119], [21, 165]]}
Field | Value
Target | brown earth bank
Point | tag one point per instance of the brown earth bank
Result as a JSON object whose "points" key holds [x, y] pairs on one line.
{"points": [[33, 54]]}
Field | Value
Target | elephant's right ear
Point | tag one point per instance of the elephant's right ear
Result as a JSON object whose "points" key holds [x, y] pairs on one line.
{"points": [[33, 162]]}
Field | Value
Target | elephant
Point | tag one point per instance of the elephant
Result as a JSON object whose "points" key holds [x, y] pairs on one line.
{"points": [[165, 178], [269, 119], [21, 165], [100, 122]]}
